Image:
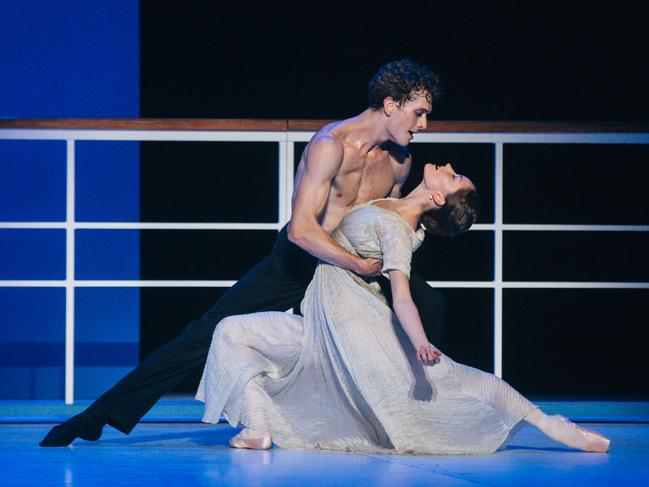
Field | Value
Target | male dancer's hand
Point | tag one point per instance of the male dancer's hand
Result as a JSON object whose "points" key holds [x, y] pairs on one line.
{"points": [[368, 267]]}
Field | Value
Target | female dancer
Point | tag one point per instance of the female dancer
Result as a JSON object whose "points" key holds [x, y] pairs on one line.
{"points": [[354, 375]]}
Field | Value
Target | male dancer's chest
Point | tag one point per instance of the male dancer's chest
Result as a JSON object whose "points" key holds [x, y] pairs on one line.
{"points": [[361, 179]]}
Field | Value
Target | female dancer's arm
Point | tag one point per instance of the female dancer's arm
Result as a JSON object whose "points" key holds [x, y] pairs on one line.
{"points": [[408, 316]]}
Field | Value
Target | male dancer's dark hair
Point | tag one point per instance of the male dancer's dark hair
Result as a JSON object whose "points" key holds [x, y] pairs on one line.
{"points": [[401, 80]]}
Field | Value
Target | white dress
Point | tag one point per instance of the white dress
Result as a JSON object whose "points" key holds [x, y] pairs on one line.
{"points": [[345, 377]]}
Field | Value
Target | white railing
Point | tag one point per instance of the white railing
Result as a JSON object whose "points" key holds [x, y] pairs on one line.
{"points": [[285, 160]]}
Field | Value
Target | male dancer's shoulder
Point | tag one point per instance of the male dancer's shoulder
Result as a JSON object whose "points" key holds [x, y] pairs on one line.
{"points": [[324, 150]]}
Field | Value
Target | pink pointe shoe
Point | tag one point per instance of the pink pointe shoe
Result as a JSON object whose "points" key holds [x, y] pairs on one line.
{"points": [[245, 440], [577, 437]]}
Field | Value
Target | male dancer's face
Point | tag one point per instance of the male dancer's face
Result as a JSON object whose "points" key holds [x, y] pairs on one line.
{"points": [[409, 118]]}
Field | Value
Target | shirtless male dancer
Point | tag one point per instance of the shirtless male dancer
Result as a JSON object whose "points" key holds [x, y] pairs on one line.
{"points": [[346, 163]]}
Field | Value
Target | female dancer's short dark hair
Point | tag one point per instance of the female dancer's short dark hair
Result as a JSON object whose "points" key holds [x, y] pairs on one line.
{"points": [[456, 216], [400, 80]]}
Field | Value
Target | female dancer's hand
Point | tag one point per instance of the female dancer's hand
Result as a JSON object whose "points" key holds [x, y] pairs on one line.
{"points": [[428, 354]]}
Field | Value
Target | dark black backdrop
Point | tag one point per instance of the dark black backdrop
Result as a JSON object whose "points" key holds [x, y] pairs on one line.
{"points": [[497, 61]]}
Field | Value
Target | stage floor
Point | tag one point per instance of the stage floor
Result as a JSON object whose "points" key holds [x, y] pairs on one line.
{"points": [[197, 454]]}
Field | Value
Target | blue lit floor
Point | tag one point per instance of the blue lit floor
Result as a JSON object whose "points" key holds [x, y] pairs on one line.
{"points": [[188, 454]]}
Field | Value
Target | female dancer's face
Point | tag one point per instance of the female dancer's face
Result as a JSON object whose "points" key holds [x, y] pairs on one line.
{"points": [[443, 179]]}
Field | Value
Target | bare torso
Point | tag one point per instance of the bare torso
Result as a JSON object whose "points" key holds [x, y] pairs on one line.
{"points": [[362, 176]]}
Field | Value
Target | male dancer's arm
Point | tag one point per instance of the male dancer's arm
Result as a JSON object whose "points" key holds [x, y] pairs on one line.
{"points": [[309, 201]]}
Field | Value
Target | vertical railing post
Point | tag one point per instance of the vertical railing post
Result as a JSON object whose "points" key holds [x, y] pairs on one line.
{"points": [[290, 169], [498, 260], [282, 158], [286, 167], [69, 272]]}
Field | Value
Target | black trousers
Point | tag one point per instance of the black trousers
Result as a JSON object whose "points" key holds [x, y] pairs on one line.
{"points": [[277, 283]]}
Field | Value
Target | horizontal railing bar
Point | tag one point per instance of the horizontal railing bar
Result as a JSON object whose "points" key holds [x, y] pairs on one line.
{"points": [[541, 285], [143, 135], [299, 137], [574, 228], [268, 136], [44, 283], [575, 285], [33, 225], [277, 226], [495, 126], [167, 283], [119, 283], [228, 283], [144, 226], [179, 226], [533, 138], [236, 124], [461, 284], [311, 125]]}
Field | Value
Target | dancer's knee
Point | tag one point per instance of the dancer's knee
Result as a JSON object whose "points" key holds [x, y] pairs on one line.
{"points": [[226, 330]]}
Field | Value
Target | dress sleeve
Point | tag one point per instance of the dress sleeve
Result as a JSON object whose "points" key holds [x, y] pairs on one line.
{"points": [[396, 245]]}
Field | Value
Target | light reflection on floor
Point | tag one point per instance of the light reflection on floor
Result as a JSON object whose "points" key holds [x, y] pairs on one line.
{"points": [[197, 454]]}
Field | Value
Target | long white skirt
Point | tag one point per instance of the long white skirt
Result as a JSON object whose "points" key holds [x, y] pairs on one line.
{"points": [[345, 377]]}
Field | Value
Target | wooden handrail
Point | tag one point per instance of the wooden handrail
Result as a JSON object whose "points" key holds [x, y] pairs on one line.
{"points": [[146, 124], [441, 126]]}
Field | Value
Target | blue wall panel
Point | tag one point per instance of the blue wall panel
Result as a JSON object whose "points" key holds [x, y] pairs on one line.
{"points": [[65, 59], [32, 343], [107, 254], [107, 337], [69, 59], [32, 254], [32, 180], [103, 314], [108, 181]]}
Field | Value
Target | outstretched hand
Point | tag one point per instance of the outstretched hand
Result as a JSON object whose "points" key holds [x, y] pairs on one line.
{"points": [[428, 354]]}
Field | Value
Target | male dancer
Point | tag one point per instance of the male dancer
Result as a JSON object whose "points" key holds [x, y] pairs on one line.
{"points": [[346, 163]]}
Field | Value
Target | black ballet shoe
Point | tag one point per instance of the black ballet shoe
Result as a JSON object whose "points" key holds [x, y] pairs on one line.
{"points": [[87, 425]]}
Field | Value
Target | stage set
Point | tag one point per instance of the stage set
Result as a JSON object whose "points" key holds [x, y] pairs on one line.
{"points": [[131, 199], [197, 454]]}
